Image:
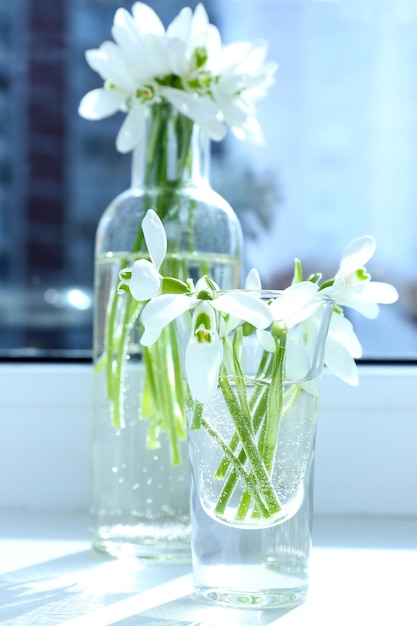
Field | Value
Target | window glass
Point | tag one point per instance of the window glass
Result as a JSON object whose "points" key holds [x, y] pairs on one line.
{"points": [[339, 160]]}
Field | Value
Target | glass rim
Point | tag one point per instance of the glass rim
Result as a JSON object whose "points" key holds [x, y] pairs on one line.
{"points": [[274, 293]]}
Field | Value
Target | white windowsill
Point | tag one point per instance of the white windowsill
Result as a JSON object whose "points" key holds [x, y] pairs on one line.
{"points": [[362, 572], [366, 460]]}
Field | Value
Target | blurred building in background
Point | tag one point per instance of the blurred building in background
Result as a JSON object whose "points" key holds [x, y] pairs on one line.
{"points": [[339, 160]]}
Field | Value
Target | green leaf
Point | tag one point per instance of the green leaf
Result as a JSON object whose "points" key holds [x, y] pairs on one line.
{"points": [[122, 288], [173, 285], [126, 273], [248, 329], [327, 283], [298, 272], [315, 278], [205, 294]]}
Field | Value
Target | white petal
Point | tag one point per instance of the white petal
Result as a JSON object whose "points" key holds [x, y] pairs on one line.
{"points": [[100, 103], [196, 107], [384, 293], [161, 311], [255, 57], [357, 254], [180, 27], [355, 300], [297, 361], [267, 340], [199, 21], [177, 56], [202, 364], [127, 37], [214, 129], [121, 73], [311, 386], [230, 55], [146, 20], [341, 330], [295, 305], [231, 106], [213, 41], [99, 61], [145, 281], [203, 284], [249, 131], [253, 280], [305, 286], [132, 129], [155, 237], [244, 306], [339, 361]]}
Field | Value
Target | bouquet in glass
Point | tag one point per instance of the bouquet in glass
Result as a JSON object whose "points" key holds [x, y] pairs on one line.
{"points": [[252, 361]]}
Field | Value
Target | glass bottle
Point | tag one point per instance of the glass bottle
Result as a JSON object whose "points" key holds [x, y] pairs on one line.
{"points": [[140, 467]]}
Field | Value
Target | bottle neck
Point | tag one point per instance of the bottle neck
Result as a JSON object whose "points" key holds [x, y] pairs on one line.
{"points": [[173, 151]]}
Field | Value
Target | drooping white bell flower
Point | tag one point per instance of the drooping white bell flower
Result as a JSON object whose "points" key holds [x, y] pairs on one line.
{"points": [[204, 353], [352, 285], [296, 304], [295, 310], [123, 91], [242, 78], [129, 69], [144, 279], [204, 350], [191, 41], [342, 348]]}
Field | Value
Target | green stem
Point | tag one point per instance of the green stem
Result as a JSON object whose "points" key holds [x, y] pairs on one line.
{"points": [[232, 479], [258, 403], [117, 379], [166, 397], [249, 478], [163, 397], [255, 409], [242, 419], [269, 438], [196, 416]]}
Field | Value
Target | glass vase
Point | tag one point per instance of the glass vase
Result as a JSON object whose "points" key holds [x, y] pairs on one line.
{"points": [[252, 454], [140, 468]]}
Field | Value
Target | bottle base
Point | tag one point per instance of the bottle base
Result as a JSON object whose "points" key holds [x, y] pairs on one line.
{"points": [[263, 599], [130, 541]]}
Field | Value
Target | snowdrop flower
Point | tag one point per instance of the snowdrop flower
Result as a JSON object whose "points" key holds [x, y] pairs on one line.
{"points": [[204, 351], [143, 279], [129, 69], [352, 286], [185, 66], [191, 41], [342, 348], [299, 310], [294, 306], [242, 78]]}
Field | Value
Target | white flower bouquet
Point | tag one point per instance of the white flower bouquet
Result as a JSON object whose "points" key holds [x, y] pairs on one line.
{"points": [[279, 333], [186, 65]]}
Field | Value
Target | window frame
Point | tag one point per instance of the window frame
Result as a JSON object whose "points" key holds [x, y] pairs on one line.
{"points": [[366, 453]]}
